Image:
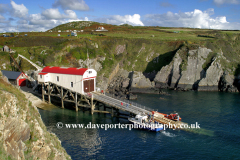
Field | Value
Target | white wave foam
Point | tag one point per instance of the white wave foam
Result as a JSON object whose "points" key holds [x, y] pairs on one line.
{"points": [[168, 134]]}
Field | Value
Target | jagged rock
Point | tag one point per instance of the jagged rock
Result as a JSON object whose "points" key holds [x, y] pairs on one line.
{"points": [[226, 83], [176, 70], [194, 72], [125, 83], [32, 73], [163, 77], [213, 74], [21, 128], [120, 49], [140, 81], [169, 74], [131, 96], [101, 59], [150, 75], [102, 82], [91, 63]]}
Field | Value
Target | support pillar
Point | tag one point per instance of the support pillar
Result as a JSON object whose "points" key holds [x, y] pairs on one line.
{"points": [[117, 112], [49, 96], [62, 97], [43, 93], [92, 106], [112, 113], [76, 105]]}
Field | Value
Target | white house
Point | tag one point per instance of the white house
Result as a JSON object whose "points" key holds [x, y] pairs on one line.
{"points": [[100, 28], [81, 80], [74, 34]]}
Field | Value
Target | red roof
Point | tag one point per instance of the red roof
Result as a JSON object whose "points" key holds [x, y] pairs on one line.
{"points": [[42, 73], [73, 71]]}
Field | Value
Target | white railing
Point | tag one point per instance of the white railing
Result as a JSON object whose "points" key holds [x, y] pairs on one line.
{"points": [[38, 68]]}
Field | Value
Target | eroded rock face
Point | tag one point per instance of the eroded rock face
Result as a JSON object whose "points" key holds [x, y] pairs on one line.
{"points": [[176, 70], [119, 84], [194, 77], [140, 81], [226, 83], [15, 132], [213, 74], [163, 77], [22, 132], [120, 49], [194, 71], [91, 63], [169, 75]]}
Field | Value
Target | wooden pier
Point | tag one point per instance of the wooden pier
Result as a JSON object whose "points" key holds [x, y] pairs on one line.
{"points": [[89, 101]]}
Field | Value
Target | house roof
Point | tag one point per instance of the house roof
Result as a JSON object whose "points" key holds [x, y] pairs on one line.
{"points": [[42, 73], [11, 74], [73, 71]]}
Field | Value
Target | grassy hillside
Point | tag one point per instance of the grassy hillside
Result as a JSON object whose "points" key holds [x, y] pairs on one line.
{"points": [[138, 48]]}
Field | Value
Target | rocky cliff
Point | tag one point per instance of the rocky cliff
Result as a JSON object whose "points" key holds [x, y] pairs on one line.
{"points": [[197, 73], [23, 134], [198, 68]]}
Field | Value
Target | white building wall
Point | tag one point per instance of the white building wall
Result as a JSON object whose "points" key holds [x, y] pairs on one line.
{"points": [[87, 74], [45, 78], [66, 79]]}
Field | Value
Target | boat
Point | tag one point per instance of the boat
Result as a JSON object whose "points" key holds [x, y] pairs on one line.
{"points": [[172, 116], [144, 122]]}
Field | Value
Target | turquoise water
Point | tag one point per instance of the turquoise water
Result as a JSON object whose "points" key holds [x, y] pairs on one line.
{"points": [[217, 113]]}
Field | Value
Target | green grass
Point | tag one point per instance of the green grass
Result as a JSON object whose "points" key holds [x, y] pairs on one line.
{"points": [[164, 44]]}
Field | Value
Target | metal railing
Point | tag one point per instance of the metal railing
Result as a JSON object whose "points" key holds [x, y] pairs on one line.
{"points": [[129, 101], [123, 103]]}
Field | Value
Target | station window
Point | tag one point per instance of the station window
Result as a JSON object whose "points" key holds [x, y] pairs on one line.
{"points": [[40, 76], [71, 84], [58, 78]]}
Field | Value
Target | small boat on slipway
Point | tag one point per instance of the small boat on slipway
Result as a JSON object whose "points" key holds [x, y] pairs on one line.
{"points": [[144, 122]]}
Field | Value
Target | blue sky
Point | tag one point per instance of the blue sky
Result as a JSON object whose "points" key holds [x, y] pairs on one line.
{"points": [[41, 15]]}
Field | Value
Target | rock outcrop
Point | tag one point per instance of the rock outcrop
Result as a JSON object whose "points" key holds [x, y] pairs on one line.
{"points": [[169, 75], [92, 63], [194, 73], [194, 76], [213, 74], [23, 135], [227, 82], [119, 84], [140, 81]]}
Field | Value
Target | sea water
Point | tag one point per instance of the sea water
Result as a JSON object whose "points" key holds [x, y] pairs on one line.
{"points": [[218, 137]]}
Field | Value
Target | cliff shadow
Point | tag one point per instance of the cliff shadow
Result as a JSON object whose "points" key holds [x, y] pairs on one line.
{"points": [[236, 82], [237, 71], [158, 62], [130, 76]]}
